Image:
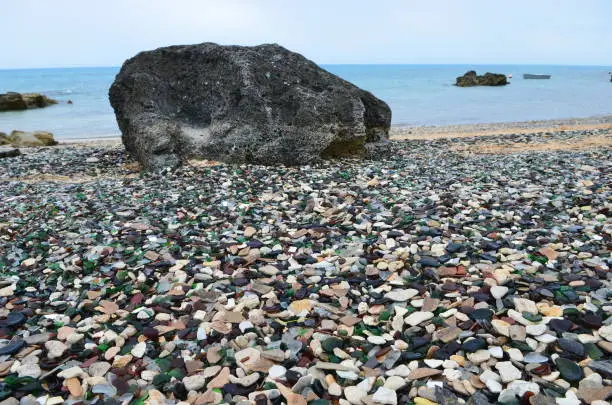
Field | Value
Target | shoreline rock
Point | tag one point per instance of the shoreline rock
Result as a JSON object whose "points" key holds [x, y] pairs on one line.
{"points": [[13, 101], [262, 104], [471, 79], [9, 152], [28, 139]]}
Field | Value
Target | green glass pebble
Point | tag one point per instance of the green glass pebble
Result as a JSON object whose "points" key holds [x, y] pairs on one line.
{"points": [[319, 402], [331, 343], [176, 373], [269, 386], [522, 346], [161, 379], [163, 364], [569, 370], [532, 317], [384, 316], [593, 351]]}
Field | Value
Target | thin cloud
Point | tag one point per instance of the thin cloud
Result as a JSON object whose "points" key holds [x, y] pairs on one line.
{"points": [[82, 33]]}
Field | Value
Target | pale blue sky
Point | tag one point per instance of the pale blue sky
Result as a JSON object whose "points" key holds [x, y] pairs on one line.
{"points": [[61, 33]]}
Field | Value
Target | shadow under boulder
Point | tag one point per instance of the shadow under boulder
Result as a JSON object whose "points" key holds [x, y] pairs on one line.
{"points": [[261, 104]]}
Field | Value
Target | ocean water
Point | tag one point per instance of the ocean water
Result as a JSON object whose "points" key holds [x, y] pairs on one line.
{"points": [[417, 95]]}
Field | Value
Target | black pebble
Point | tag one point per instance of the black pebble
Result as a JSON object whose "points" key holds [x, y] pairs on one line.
{"points": [[473, 345], [15, 319], [591, 321], [560, 325], [482, 314], [318, 389], [454, 247], [571, 346], [429, 262]]}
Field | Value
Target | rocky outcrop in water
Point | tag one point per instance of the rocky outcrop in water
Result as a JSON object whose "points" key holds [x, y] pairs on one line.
{"points": [[471, 79], [262, 104], [16, 101]]}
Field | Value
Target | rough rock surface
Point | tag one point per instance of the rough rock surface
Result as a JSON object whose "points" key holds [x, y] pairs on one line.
{"points": [[488, 79], [262, 104], [16, 101], [28, 139]]}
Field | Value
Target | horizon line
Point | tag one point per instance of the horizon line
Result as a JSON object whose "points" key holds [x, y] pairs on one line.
{"points": [[336, 64]]}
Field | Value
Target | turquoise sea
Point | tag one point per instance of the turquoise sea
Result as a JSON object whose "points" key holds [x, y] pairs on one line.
{"points": [[417, 94]]}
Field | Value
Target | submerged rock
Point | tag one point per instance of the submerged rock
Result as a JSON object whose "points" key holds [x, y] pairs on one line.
{"points": [[16, 101], [471, 79], [261, 104]]}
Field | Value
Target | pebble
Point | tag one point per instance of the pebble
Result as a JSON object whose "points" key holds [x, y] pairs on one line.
{"points": [[139, 350], [55, 349], [403, 279], [29, 370], [71, 372], [354, 395], [420, 373], [606, 332], [525, 305], [277, 372], [494, 386], [377, 340], [533, 357], [507, 371], [535, 330], [385, 395], [479, 356], [399, 295], [499, 291], [417, 318], [194, 382], [334, 389], [496, 352], [394, 383], [569, 370], [433, 363]]}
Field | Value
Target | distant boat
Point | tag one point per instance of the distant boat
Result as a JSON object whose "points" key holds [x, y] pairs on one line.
{"points": [[532, 76]]}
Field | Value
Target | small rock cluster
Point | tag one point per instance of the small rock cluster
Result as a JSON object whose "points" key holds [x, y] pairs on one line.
{"points": [[9, 144], [22, 139], [429, 276], [471, 79]]}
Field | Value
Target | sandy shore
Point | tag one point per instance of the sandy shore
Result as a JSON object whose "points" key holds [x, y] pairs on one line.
{"points": [[501, 128], [444, 131]]}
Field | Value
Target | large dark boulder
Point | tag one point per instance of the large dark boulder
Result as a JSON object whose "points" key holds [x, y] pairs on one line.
{"points": [[16, 101], [488, 79], [261, 104]]}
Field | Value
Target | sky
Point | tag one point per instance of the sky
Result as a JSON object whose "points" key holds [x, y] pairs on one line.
{"points": [[65, 33]]}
